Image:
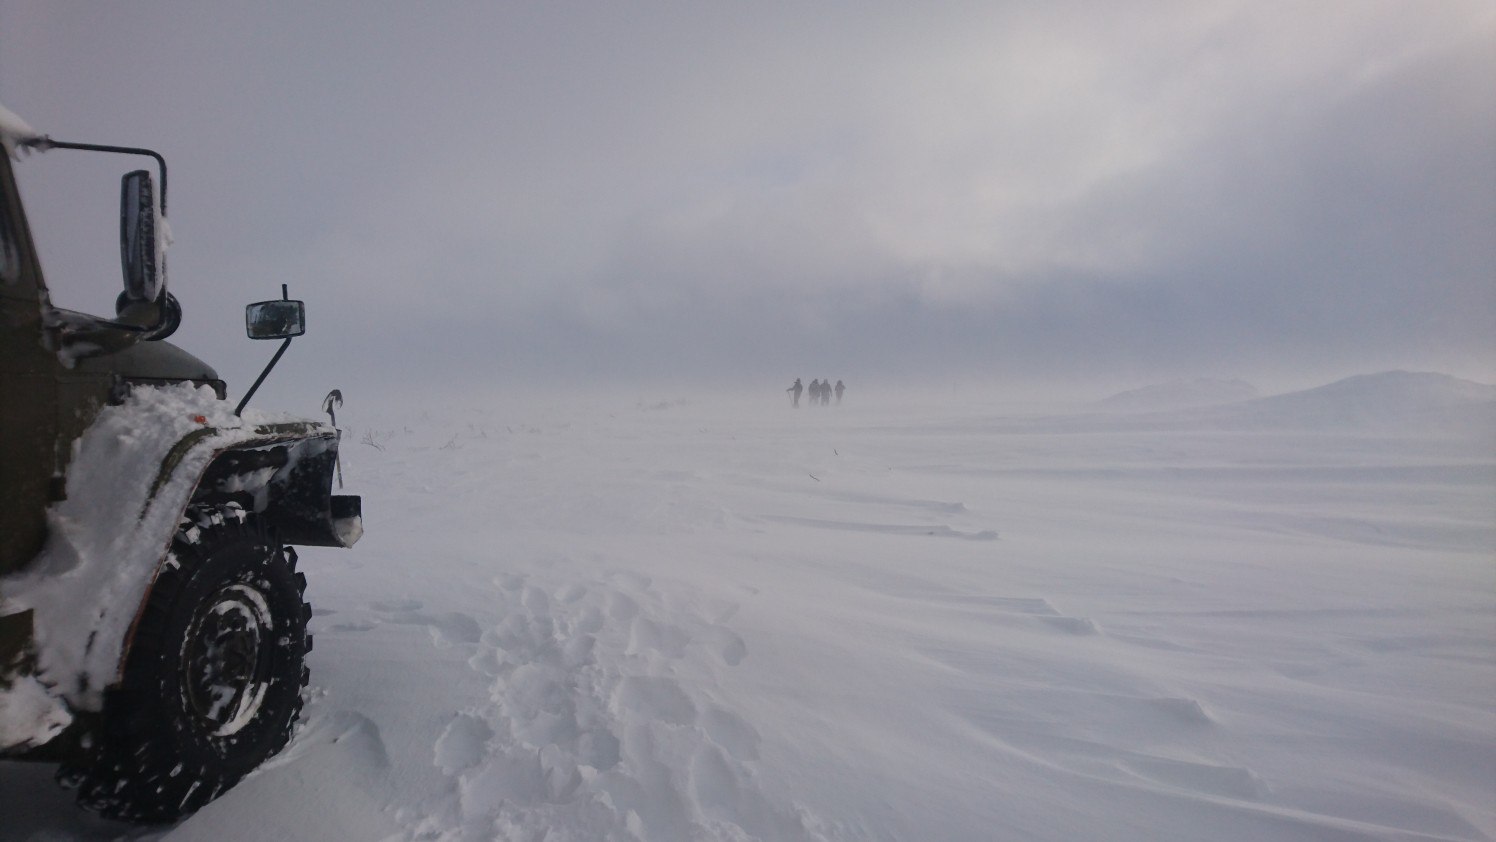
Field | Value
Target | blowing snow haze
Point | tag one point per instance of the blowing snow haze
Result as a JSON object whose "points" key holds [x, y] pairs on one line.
{"points": [[674, 192], [1248, 598]]}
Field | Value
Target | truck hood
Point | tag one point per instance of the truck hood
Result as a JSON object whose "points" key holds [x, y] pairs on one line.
{"points": [[154, 360]]}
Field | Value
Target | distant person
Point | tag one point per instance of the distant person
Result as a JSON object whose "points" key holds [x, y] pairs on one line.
{"points": [[840, 387], [825, 392], [795, 391], [815, 392]]}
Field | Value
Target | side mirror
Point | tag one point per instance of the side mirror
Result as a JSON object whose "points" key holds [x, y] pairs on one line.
{"points": [[275, 319], [139, 238]]}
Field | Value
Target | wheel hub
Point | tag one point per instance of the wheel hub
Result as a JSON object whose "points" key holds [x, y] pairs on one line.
{"points": [[227, 659]]}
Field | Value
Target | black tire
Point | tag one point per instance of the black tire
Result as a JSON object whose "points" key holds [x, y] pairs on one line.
{"points": [[212, 684]]}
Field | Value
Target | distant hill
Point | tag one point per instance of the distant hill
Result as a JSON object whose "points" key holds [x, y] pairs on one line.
{"points": [[1400, 402], [1390, 403], [1391, 398], [1180, 394]]}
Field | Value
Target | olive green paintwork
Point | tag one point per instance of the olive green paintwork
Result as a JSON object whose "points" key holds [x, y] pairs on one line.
{"points": [[264, 434], [48, 398], [29, 413], [57, 370]]}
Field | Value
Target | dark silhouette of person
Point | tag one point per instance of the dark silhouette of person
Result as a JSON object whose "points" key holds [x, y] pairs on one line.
{"points": [[815, 392], [795, 391], [840, 387], [825, 393]]}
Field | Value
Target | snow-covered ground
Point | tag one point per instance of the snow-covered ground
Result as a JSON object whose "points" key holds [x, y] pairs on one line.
{"points": [[707, 619]]}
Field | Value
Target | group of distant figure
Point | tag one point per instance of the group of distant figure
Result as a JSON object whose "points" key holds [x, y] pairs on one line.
{"points": [[820, 392]]}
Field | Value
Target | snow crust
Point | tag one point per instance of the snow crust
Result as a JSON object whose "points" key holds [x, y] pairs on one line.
{"points": [[684, 620], [107, 537]]}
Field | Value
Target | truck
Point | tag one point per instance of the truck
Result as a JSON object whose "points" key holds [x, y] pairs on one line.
{"points": [[153, 623]]}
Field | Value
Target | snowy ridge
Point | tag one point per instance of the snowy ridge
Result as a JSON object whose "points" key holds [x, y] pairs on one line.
{"points": [[1392, 403], [1178, 394], [1392, 398]]}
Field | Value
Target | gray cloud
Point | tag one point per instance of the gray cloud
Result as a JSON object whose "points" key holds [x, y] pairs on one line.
{"points": [[682, 190]]}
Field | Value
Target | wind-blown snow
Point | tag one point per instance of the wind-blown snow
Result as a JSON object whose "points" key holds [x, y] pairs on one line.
{"points": [[711, 620]]}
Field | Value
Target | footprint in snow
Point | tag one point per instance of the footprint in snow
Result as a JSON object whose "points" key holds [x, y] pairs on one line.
{"points": [[463, 743], [535, 600], [571, 593], [730, 731], [510, 581], [726, 643], [603, 720], [621, 608], [653, 698], [590, 620], [646, 635], [726, 791]]}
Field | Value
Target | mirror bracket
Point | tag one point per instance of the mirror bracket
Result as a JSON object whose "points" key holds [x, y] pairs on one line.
{"points": [[275, 319], [160, 326]]}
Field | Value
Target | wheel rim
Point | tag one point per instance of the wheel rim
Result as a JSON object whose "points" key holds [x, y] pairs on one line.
{"points": [[227, 662]]}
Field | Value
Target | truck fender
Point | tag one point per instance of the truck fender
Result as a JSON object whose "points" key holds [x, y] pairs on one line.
{"points": [[108, 539]]}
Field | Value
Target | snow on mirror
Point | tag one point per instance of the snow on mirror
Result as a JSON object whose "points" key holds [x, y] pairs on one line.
{"points": [[139, 240], [278, 319]]}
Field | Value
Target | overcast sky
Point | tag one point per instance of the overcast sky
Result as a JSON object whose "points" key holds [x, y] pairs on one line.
{"points": [[483, 192]]}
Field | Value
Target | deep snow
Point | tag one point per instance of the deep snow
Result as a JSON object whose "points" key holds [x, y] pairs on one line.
{"points": [[711, 619]]}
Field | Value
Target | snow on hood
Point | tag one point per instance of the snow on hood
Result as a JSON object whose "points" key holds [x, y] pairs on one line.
{"points": [[13, 130]]}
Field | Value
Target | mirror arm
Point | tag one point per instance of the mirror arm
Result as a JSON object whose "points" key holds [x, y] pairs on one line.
{"points": [[285, 296], [261, 379], [42, 144]]}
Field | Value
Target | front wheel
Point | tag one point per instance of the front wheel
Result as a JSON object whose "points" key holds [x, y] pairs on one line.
{"points": [[212, 683]]}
